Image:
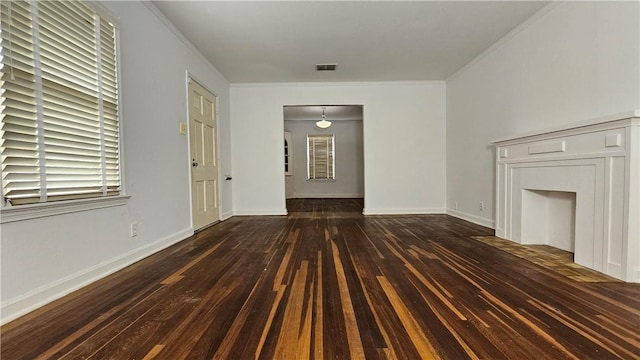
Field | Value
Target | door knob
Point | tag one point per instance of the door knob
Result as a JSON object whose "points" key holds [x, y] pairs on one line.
{"points": [[194, 163]]}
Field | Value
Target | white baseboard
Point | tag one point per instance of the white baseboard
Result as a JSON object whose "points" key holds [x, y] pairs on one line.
{"points": [[408, 211], [260, 212], [23, 304], [226, 215], [327, 196], [472, 218]]}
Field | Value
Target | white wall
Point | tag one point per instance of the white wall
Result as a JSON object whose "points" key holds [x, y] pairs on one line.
{"points": [[572, 61], [45, 258], [349, 159], [404, 143]]}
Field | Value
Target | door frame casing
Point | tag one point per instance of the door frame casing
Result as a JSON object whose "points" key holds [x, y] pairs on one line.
{"points": [[190, 77]]}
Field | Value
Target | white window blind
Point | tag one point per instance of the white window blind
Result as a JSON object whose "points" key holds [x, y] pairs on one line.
{"points": [[59, 102], [320, 157]]}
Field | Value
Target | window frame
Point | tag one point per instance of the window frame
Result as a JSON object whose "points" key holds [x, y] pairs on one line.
{"points": [[11, 213]]}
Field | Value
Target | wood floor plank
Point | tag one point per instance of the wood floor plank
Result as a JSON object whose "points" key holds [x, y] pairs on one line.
{"points": [[327, 282], [419, 339], [353, 332], [153, 352]]}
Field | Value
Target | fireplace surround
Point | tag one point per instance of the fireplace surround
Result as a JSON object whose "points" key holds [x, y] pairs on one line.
{"points": [[575, 187]]}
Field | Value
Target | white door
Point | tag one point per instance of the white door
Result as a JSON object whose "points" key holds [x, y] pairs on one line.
{"points": [[204, 163]]}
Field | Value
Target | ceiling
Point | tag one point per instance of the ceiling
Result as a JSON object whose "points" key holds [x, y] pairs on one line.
{"points": [[281, 41]]}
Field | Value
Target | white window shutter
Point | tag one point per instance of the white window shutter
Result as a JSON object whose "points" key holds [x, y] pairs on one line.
{"points": [[74, 103], [19, 132], [320, 157]]}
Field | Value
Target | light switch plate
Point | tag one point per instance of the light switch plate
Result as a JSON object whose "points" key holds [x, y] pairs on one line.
{"points": [[183, 129]]}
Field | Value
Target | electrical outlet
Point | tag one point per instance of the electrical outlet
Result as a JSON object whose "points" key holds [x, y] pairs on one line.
{"points": [[134, 229], [481, 205], [455, 205]]}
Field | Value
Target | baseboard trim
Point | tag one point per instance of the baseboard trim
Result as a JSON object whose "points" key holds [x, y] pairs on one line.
{"points": [[34, 299], [472, 218], [407, 211], [262, 212], [225, 216], [327, 196]]}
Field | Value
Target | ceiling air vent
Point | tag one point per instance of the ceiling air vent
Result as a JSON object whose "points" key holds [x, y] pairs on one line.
{"points": [[326, 67]]}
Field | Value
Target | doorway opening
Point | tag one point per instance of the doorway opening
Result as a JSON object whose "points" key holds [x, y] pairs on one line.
{"points": [[324, 157]]}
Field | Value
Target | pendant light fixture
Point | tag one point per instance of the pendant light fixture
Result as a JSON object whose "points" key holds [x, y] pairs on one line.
{"points": [[324, 123]]}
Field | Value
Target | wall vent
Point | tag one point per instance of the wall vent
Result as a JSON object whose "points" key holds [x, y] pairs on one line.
{"points": [[326, 67]]}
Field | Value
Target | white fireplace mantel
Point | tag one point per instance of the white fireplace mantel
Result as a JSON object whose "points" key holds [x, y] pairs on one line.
{"points": [[580, 180]]}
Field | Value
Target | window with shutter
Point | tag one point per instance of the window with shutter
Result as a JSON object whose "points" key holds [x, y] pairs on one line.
{"points": [[59, 135], [320, 157]]}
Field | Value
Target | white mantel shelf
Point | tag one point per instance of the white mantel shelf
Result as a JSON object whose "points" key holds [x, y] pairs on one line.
{"points": [[580, 180], [633, 115]]}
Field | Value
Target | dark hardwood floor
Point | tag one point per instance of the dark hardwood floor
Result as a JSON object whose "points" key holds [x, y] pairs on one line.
{"points": [[326, 282]]}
